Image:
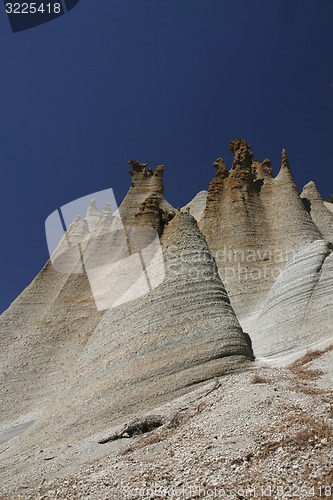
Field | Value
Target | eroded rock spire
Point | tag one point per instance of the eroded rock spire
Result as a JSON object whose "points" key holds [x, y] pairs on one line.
{"points": [[285, 161], [137, 167], [144, 184], [141, 169], [216, 185], [264, 170], [243, 155]]}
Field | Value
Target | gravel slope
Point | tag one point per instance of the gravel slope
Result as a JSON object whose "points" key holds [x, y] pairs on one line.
{"points": [[263, 432]]}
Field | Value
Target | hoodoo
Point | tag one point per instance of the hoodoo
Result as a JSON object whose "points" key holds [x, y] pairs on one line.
{"points": [[254, 224], [143, 304]]}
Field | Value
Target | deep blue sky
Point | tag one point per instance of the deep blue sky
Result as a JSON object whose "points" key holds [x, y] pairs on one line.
{"points": [[161, 81]]}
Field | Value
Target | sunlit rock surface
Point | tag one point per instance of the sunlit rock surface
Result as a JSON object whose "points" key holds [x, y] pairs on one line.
{"points": [[145, 303]]}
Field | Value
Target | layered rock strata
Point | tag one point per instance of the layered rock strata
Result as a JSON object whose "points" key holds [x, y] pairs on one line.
{"points": [[196, 206], [145, 182], [139, 313], [152, 349], [42, 332], [298, 310], [253, 224]]}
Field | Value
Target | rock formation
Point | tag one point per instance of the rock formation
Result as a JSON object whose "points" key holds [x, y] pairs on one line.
{"points": [[299, 308], [329, 206], [143, 304], [320, 213], [197, 205], [254, 224], [154, 348], [144, 184], [41, 334]]}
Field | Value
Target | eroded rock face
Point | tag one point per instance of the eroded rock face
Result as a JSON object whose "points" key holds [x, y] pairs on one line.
{"points": [[216, 186], [298, 310], [154, 348], [196, 206], [319, 212], [150, 347], [70, 370], [253, 224], [144, 184], [329, 206], [150, 214]]}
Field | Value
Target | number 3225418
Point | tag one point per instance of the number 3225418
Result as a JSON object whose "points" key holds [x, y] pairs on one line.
{"points": [[33, 8]]}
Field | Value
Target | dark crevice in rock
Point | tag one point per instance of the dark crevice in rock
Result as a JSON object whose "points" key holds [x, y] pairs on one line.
{"points": [[136, 428]]}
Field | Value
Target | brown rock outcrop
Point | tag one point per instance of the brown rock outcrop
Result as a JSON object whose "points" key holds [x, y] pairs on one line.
{"points": [[149, 214], [298, 309], [216, 186], [144, 184], [254, 224]]}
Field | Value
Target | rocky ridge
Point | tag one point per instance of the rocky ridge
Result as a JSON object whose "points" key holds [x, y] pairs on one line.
{"points": [[79, 357], [254, 225]]}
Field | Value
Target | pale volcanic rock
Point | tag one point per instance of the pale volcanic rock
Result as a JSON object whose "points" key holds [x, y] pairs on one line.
{"points": [[41, 333], [153, 349], [196, 206], [320, 214], [144, 183], [291, 227], [299, 308], [67, 257], [92, 216], [149, 214], [71, 372], [254, 224], [329, 206], [232, 228]]}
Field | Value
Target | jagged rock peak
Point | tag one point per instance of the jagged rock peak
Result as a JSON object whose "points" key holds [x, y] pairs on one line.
{"points": [[93, 215], [221, 170], [92, 209], [243, 155], [319, 212], [285, 161], [151, 207], [285, 171], [144, 183], [76, 232], [141, 168], [78, 228], [105, 218], [149, 213], [216, 185], [103, 225], [107, 209], [237, 144], [263, 169], [137, 167], [159, 170], [310, 190], [151, 204]]}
